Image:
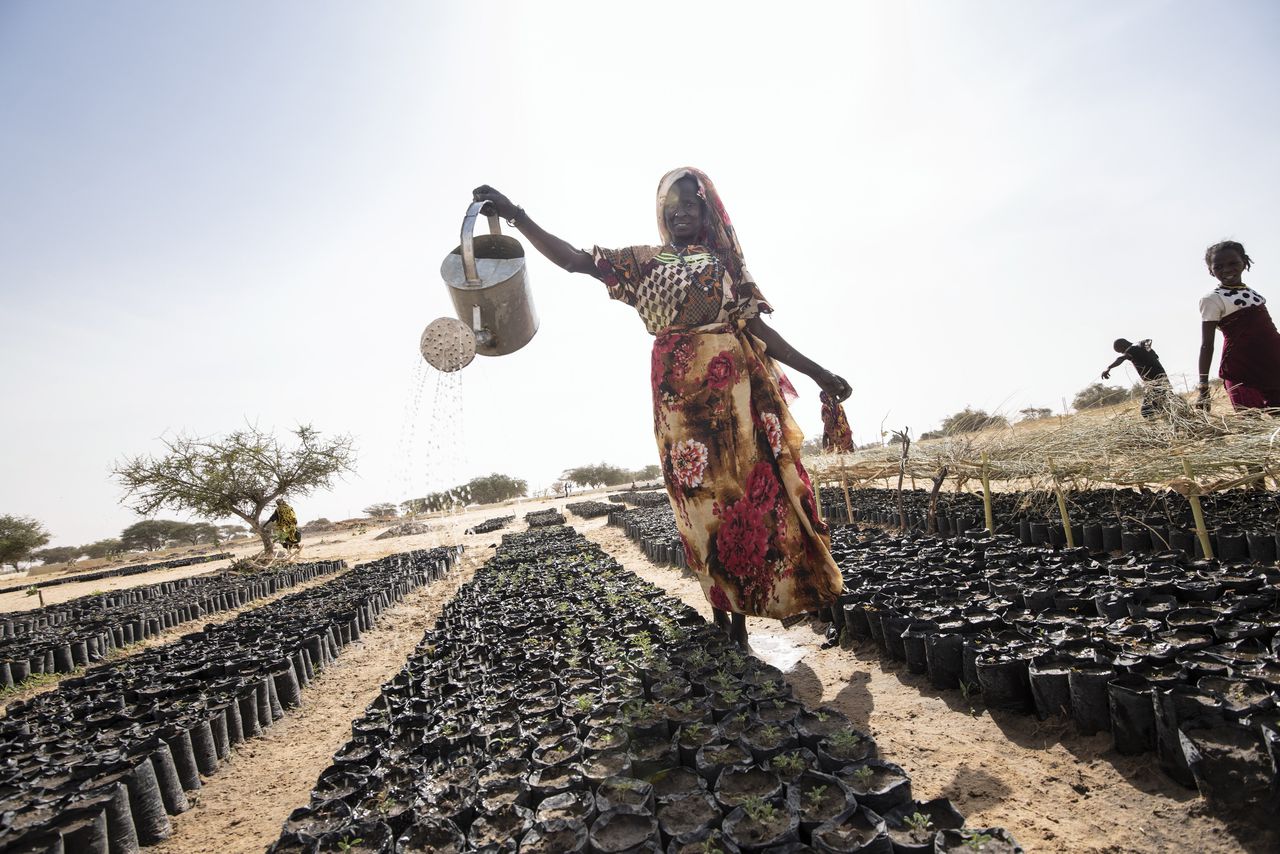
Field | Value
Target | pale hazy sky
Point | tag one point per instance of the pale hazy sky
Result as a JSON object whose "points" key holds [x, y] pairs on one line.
{"points": [[235, 211]]}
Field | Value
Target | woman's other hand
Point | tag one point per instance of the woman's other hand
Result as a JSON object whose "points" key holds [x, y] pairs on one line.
{"points": [[835, 386], [498, 203], [1202, 400]]}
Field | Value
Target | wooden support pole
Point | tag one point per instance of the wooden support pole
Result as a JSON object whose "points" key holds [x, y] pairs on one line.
{"points": [[986, 494], [1193, 498], [902, 471], [844, 484], [931, 526], [1062, 508]]}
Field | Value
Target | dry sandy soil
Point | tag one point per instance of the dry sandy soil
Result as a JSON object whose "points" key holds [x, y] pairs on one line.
{"points": [[1053, 790]]}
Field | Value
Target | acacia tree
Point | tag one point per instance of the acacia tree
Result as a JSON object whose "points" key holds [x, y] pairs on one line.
{"points": [[58, 554], [1098, 395], [382, 510], [239, 475], [104, 548], [19, 537], [150, 534]]}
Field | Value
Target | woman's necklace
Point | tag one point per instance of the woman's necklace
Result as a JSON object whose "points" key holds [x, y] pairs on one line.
{"points": [[705, 283]]}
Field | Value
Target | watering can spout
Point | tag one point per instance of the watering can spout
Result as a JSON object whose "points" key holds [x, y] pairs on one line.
{"points": [[488, 281]]}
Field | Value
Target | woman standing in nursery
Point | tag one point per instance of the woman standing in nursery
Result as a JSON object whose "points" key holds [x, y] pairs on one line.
{"points": [[730, 451], [1250, 366]]}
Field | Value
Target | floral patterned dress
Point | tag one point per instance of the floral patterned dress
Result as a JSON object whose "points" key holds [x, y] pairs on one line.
{"points": [[729, 448]]}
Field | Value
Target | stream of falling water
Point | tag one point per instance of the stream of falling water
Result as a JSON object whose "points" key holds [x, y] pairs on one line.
{"points": [[431, 455]]}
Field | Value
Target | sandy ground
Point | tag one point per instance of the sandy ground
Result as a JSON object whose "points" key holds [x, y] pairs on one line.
{"points": [[1055, 791]]}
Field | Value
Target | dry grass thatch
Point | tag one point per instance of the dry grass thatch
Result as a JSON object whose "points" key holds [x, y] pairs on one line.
{"points": [[1113, 447]]}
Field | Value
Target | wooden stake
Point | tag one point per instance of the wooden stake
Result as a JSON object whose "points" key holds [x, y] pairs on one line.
{"points": [[844, 484], [931, 526], [986, 494], [902, 471], [1193, 497], [1062, 507]]}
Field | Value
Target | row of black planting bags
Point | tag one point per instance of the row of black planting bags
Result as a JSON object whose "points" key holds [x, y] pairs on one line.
{"points": [[654, 530], [1242, 524], [591, 509], [562, 704], [1168, 654], [101, 762], [83, 631], [118, 572]]}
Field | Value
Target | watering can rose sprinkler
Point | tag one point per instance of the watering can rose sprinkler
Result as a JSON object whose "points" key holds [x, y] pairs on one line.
{"points": [[488, 279]]}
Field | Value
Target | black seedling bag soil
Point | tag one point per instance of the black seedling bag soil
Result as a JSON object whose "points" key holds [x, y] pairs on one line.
{"points": [[432, 836], [1176, 707], [1231, 766], [623, 829], [756, 836], [1005, 681], [1089, 704], [1050, 686], [965, 841], [888, 786], [1133, 720], [689, 815], [941, 813], [818, 798], [858, 829]]}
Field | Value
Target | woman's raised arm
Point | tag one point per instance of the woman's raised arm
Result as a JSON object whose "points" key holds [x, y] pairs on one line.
{"points": [[777, 348], [556, 250]]}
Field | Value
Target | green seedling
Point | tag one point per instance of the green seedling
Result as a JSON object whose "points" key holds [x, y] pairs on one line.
{"points": [[732, 696], [918, 822], [966, 693], [345, 844], [696, 730], [862, 776], [770, 732], [977, 840], [759, 810], [845, 740], [583, 703], [788, 763], [821, 716], [814, 796]]}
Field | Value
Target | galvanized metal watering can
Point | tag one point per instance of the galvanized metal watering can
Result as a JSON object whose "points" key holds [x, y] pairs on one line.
{"points": [[488, 280]]}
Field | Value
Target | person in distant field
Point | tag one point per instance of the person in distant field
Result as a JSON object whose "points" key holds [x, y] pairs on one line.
{"points": [[730, 451], [286, 527], [1250, 366], [1158, 393]]}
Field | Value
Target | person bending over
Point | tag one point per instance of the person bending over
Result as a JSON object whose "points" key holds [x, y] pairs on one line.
{"points": [[1157, 392]]}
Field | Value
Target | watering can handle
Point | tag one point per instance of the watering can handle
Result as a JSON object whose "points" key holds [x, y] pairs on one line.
{"points": [[468, 248]]}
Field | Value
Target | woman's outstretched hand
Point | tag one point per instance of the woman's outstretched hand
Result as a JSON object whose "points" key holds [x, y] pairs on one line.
{"points": [[835, 386], [498, 203]]}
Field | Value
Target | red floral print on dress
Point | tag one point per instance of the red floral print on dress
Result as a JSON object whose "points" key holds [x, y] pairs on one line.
{"points": [[742, 539], [690, 556], [607, 274], [718, 598], [689, 462], [721, 372], [762, 486], [772, 430]]}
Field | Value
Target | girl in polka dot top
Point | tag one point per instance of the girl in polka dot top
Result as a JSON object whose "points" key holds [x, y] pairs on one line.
{"points": [[1250, 366]]}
